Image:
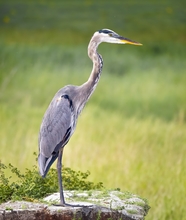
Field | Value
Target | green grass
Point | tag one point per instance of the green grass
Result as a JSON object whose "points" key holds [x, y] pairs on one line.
{"points": [[131, 135]]}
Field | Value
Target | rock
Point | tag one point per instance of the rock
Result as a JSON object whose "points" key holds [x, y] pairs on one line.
{"points": [[96, 205]]}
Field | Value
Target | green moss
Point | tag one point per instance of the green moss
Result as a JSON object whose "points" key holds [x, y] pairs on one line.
{"points": [[125, 195], [8, 208], [131, 211]]}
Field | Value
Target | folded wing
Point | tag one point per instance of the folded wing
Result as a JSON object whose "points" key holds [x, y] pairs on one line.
{"points": [[55, 131]]}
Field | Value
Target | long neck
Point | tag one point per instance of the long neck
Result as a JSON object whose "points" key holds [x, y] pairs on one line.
{"points": [[97, 60], [86, 90], [97, 65]]}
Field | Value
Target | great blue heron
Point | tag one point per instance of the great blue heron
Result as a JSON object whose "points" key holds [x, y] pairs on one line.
{"points": [[60, 118]]}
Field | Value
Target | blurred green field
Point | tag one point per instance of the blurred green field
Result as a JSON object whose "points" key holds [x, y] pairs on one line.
{"points": [[132, 133]]}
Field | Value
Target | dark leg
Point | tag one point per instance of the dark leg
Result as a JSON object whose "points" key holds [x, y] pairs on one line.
{"points": [[59, 168]]}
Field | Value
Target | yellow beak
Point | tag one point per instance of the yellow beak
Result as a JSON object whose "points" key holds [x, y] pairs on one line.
{"points": [[128, 41]]}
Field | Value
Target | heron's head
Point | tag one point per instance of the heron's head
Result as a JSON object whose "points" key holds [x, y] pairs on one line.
{"points": [[109, 36]]}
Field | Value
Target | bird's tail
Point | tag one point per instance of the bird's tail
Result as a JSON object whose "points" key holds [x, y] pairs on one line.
{"points": [[45, 163]]}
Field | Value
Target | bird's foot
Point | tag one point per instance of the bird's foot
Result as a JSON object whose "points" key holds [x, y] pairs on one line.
{"points": [[71, 205]]}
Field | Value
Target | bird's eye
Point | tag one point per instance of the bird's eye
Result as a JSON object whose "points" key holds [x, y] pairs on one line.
{"points": [[111, 34]]}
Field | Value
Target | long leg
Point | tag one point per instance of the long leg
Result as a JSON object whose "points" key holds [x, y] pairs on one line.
{"points": [[59, 168]]}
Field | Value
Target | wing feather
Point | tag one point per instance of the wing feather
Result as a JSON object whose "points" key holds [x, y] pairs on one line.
{"points": [[56, 121], [54, 131]]}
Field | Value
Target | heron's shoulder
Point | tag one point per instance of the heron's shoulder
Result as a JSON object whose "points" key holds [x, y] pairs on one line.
{"points": [[67, 90]]}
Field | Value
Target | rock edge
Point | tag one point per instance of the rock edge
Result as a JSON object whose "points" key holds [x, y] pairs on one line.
{"points": [[97, 205]]}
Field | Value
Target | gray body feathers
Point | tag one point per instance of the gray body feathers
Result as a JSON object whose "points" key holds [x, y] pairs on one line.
{"points": [[56, 128]]}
